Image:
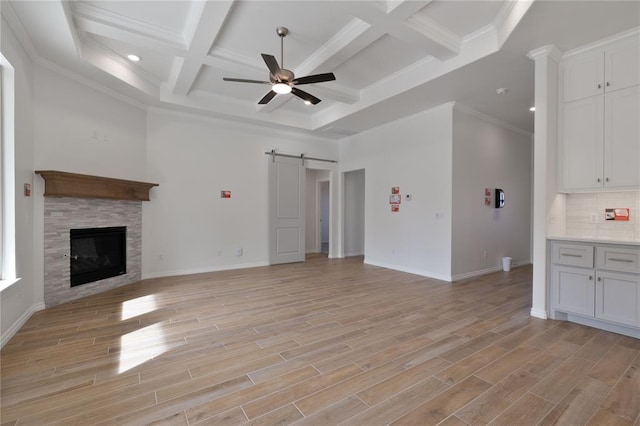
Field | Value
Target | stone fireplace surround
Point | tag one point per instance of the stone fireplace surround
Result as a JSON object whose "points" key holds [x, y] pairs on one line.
{"points": [[63, 214], [74, 201]]}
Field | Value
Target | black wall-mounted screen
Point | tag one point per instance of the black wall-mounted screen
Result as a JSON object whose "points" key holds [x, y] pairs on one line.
{"points": [[499, 198], [98, 253]]}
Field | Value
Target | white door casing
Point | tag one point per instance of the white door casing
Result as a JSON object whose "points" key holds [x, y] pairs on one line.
{"points": [[286, 210]]}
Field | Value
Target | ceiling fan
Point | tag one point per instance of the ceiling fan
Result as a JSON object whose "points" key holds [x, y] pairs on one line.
{"points": [[282, 80]]}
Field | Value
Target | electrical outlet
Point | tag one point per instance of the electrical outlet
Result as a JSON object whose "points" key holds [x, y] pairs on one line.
{"points": [[484, 254], [593, 218], [239, 251]]}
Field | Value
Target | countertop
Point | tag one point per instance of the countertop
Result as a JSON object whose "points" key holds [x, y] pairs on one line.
{"points": [[592, 239]]}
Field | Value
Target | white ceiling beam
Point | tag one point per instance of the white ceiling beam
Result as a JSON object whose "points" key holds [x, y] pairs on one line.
{"points": [[211, 21], [75, 35], [105, 23], [403, 9], [149, 41], [428, 34], [237, 64], [399, 19]]}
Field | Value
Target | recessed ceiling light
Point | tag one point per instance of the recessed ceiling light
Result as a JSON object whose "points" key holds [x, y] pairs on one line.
{"points": [[532, 109], [501, 91], [134, 58], [307, 102]]}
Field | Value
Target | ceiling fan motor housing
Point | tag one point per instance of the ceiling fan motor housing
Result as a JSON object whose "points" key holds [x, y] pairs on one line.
{"points": [[284, 76]]}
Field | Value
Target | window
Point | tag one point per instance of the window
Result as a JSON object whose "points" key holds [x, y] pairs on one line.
{"points": [[7, 175]]}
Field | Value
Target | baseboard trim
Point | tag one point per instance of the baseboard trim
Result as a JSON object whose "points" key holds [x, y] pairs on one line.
{"points": [[219, 268], [538, 313], [354, 253], [480, 272], [414, 271], [603, 325], [477, 273], [16, 326]]}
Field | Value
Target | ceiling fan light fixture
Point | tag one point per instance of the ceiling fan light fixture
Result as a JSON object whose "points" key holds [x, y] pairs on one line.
{"points": [[133, 58], [281, 88]]}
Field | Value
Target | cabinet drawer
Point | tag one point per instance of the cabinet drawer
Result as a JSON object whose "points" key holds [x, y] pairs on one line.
{"points": [[618, 259], [573, 255]]}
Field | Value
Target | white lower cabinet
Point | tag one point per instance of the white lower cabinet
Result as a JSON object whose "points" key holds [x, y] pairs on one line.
{"points": [[618, 298], [607, 291], [573, 290]]}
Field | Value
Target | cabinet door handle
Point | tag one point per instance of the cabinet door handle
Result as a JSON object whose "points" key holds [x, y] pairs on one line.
{"points": [[599, 86], [590, 277], [606, 179], [570, 255], [599, 279], [616, 259], [599, 180], [608, 84]]}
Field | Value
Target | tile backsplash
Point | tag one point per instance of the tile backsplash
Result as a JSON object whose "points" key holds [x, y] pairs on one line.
{"points": [[585, 215]]}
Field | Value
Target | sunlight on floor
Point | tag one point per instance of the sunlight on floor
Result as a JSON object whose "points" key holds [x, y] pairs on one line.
{"points": [[141, 346], [138, 306]]}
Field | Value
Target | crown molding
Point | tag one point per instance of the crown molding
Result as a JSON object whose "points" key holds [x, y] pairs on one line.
{"points": [[258, 129], [51, 66], [549, 50], [10, 17], [482, 116], [603, 43]]}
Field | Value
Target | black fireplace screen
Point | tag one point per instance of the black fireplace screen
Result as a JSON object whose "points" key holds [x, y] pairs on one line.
{"points": [[98, 253]]}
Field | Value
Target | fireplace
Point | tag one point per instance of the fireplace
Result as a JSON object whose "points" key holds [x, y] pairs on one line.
{"points": [[97, 253]]}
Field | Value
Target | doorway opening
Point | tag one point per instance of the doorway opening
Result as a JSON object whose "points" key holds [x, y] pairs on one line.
{"points": [[318, 205], [354, 221], [324, 216]]}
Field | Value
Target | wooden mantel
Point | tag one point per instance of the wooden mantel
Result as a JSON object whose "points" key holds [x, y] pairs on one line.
{"points": [[65, 184]]}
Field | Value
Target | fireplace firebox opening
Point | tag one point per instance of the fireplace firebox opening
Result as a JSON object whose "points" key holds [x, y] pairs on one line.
{"points": [[97, 253]]}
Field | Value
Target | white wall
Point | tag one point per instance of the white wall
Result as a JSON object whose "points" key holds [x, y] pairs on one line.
{"points": [[414, 153], [56, 119], [187, 227], [354, 211], [67, 117], [23, 298], [487, 155]]}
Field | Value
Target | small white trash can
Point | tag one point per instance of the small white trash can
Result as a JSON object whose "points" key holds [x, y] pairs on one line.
{"points": [[506, 264]]}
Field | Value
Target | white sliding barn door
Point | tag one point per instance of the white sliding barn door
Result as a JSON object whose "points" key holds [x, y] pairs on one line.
{"points": [[286, 210]]}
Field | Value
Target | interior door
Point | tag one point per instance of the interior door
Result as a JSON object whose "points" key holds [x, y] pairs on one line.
{"points": [[286, 210]]}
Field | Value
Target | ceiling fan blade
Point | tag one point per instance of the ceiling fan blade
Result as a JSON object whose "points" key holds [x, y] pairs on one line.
{"points": [[272, 64], [316, 78], [305, 96], [244, 80], [265, 100]]}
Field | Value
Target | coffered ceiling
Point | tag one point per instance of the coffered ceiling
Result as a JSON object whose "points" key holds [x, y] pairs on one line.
{"points": [[390, 58]]}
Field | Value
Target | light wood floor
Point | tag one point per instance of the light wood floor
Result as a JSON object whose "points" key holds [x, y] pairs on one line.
{"points": [[325, 342]]}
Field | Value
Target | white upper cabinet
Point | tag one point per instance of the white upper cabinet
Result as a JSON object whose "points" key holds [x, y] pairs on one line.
{"points": [[601, 71], [583, 76], [582, 147], [622, 66], [622, 138], [599, 118]]}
